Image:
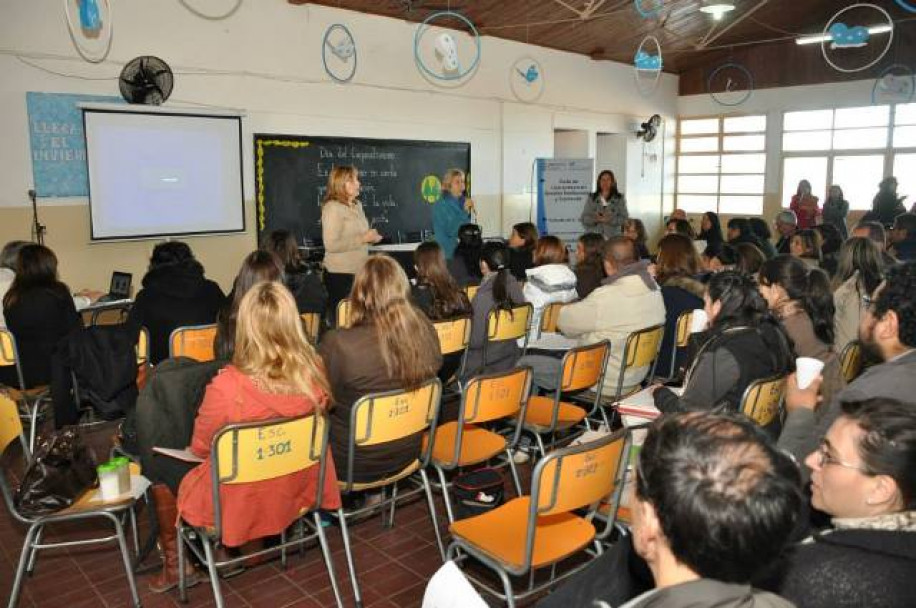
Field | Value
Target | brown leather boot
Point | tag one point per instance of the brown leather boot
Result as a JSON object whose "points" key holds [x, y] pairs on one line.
{"points": [[167, 515]]}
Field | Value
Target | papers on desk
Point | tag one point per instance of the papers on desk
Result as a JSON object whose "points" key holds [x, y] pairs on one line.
{"points": [[550, 341], [185, 454], [642, 405]]}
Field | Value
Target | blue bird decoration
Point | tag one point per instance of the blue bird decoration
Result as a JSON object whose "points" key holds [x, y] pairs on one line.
{"points": [[531, 75], [845, 37], [90, 19], [646, 61]]}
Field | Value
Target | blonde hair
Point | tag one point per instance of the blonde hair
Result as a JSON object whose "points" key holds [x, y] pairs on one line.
{"points": [[270, 344], [337, 181], [450, 175], [381, 298]]}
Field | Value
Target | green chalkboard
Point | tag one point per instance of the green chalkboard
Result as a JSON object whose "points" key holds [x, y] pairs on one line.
{"points": [[400, 181]]}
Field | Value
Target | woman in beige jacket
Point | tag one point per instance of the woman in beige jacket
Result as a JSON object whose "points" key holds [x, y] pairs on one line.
{"points": [[345, 232]]}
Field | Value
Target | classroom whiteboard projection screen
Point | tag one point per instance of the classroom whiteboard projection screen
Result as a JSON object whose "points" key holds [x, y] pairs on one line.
{"points": [[162, 174]]}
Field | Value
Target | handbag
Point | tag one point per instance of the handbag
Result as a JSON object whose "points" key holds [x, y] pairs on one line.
{"points": [[61, 470], [477, 492]]}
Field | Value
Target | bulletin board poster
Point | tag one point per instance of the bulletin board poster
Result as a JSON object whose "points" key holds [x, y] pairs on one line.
{"points": [[563, 187], [57, 142]]}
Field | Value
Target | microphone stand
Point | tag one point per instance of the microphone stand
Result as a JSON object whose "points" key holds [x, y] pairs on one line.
{"points": [[38, 229]]}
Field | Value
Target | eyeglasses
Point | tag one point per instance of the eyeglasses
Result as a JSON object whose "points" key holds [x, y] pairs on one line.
{"points": [[824, 458]]}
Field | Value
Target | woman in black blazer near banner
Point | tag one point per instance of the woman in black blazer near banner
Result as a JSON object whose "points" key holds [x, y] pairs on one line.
{"points": [[606, 208]]}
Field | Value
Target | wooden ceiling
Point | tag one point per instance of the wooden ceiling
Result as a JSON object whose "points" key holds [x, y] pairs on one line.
{"points": [[613, 29]]}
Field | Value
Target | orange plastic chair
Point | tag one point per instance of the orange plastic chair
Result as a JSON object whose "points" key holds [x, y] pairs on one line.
{"points": [[512, 324], [311, 323], [851, 361], [681, 339], [30, 400], [454, 336], [343, 313], [466, 442], [193, 341], [471, 290], [762, 399], [582, 367], [540, 530], [550, 317]]}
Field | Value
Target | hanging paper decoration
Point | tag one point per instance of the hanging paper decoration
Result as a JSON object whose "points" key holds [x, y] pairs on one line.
{"points": [[647, 64], [840, 38], [444, 60], [338, 53], [526, 79], [90, 26], [907, 6], [212, 17], [730, 84], [896, 84], [648, 9]]}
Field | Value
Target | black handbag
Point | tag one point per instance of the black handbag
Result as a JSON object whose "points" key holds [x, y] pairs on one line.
{"points": [[477, 492], [61, 470]]}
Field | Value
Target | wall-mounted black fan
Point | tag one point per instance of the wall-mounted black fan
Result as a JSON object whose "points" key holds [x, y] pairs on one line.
{"points": [[147, 80], [649, 129]]}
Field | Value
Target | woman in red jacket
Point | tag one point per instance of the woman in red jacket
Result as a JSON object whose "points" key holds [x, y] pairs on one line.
{"points": [[805, 206], [275, 373]]}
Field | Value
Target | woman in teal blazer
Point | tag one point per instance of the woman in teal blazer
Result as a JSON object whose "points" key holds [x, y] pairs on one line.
{"points": [[451, 211]]}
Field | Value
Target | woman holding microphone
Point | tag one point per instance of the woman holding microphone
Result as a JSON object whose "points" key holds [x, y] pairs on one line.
{"points": [[451, 211], [605, 209], [346, 233]]}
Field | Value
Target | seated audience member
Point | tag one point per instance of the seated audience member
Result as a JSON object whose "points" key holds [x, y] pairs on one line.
{"points": [[786, 225], [8, 257], [903, 237], [743, 343], [676, 269], [304, 283], [806, 245], [258, 266], [465, 263], [589, 263], [831, 241], [676, 226], [888, 334], [437, 295], [498, 290], [275, 373], [760, 230], [175, 294], [725, 257], [750, 259], [677, 214], [801, 299], [739, 231], [628, 300], [711, 230], [714, 504], [862, 476], [39, 312], [878, 235], [887, 204], [522, 241], [551, 280], [860, 269], [635, 230], [390, 345]]}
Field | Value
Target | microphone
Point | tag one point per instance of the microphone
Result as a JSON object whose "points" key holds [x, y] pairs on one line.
{"points": [[32, 195]]}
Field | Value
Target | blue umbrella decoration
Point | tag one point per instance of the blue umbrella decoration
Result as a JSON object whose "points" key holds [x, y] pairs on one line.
{"points": [[89, 24], [647, 64], [843, 38]]}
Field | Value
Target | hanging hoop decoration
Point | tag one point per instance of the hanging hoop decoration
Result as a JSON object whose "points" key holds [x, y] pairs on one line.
{"points": [[730, 84], [841, 36], [203, 15], [526, 79], [907, 6], [446, 49], [648, 9], [338, 53], [92, 29], [895, 84], [647, 68]]}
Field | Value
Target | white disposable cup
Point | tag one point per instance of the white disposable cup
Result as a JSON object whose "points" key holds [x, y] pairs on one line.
{"points": [[698, 321], [807, 369]]}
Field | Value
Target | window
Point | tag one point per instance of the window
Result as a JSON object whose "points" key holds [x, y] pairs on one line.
{"points": [[850, 147], [721, 164]]}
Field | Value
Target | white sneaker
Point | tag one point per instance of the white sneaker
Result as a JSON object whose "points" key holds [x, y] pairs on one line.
{"points": [[520, 457]]}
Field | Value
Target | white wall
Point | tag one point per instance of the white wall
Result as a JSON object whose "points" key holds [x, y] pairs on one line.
{"points": [[572, 144], [265, 60]]}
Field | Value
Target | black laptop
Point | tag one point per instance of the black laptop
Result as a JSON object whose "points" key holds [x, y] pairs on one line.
{"points": [[119, 288]]}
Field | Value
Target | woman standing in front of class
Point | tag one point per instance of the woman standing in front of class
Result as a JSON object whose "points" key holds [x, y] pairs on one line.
{"points": [[451, 211], [346, 233], [605, 209]]}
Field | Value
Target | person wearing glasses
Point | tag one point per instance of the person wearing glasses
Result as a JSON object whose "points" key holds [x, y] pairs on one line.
{"points": [[862, 476], [888, 334]]}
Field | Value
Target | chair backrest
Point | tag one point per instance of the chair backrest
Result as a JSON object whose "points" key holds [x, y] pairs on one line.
{"points": [[343, 313], [471, 290], [311, 323], [10, 423], [682, 332], [380, 418], [509, 324], [494, 396], [454, 334], [762, 399], [642, 347], [9, 354], [583, 366], [193, 341], [851, 361], [551, 316], [258, 451], [142, 347]]}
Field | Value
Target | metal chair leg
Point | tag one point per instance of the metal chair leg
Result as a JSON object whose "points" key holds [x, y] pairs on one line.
{"points": [[20, 570], [125, 556], [432, 512], [283, 561], [446, 498], [540, 443], [515, 478], [350, 565], [507, 587], [328, 561], [33, 553], [182, 581], [211, 568], [394, 501], [33, 425]]}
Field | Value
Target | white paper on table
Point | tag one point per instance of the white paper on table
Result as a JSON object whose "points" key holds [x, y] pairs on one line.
{"points": [[642, 404], [138, 485], [549, 341], [185, 454]]}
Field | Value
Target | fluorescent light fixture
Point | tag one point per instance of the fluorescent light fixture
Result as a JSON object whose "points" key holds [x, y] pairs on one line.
{"points": [[818, 38], [717, 8]]}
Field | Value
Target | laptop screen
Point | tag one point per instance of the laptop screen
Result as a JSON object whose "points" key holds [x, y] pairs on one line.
{"points": [[120, 285]]}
